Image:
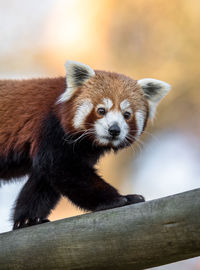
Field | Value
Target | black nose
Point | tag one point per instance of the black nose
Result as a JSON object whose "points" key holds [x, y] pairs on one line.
{"points": [[114, 130]]}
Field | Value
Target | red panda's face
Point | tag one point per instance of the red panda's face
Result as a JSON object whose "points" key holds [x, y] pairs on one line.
{"points": [[109, 108], [112, 119], [112, 124]]}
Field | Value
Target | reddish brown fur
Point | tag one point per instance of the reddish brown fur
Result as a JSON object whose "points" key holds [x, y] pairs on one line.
{"points": [[23, 105]]}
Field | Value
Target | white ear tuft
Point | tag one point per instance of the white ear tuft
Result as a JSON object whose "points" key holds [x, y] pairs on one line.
{"points": [[154, 91], [77, 74]]}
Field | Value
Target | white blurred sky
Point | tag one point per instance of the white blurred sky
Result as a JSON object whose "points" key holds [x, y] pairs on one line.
{"points": [[8, 194], [167, 164], [22, 22]]}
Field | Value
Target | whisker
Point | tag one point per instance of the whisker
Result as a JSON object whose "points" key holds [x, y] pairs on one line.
{"points": [[139, 144], [68, 137], [129, 144], [148, 133], [80, 138]]}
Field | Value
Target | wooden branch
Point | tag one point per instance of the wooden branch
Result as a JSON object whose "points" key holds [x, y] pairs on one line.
{"points": [[133, 237]]}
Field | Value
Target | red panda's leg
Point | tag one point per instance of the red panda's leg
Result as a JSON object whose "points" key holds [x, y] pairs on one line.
{"points": [[90, 192], [34, 203]]}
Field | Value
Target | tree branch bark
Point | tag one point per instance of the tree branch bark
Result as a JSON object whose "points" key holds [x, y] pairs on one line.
{"points": [[132, 237]]}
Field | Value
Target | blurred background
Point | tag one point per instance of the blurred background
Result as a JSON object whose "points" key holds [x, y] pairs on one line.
{"points": [[140, 38]]}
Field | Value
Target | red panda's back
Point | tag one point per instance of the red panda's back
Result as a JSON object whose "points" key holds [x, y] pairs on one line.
{"points": [[23, 106]]}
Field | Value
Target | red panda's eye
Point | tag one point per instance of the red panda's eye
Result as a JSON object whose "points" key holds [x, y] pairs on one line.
{"points": [[127, 115], [101, 111]]}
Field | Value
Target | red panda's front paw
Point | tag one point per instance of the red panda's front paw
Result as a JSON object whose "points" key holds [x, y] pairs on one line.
{"points": [[134, 198], [28, 222], [117, 202]]}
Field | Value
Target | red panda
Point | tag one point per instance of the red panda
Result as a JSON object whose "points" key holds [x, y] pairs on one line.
{"points": [[55, 130]]}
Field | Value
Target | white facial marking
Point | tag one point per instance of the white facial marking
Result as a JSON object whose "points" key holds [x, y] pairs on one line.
{"points": [[108, 103], [140, 117], [125, 104], [81, 113], [102, 125], [72, 79]]}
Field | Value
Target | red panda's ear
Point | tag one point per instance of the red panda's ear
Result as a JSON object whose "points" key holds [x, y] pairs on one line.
{"points": [[154, 91], [76, 74]]}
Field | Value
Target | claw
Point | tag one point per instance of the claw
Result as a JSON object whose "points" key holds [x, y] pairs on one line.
{"points": [[38, 220], [17, 224], [26, 221]]}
